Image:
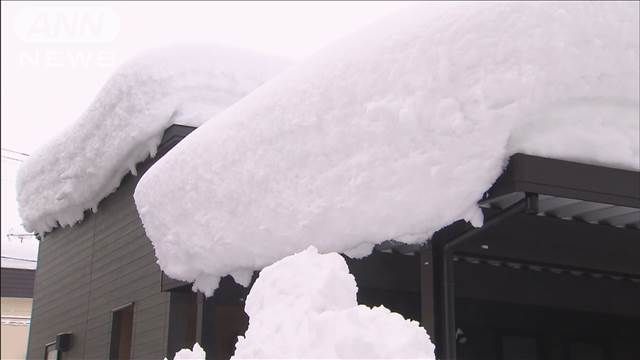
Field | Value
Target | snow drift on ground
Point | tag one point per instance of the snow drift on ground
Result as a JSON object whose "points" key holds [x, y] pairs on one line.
{"points": [[125, 123], [395, 133], [304, 307], [196, 353]]}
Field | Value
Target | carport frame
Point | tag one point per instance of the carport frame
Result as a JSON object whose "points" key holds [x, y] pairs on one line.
{"points": [[531, 175]]}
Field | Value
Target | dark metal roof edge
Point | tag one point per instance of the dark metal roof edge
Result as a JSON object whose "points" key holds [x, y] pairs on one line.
{"points": [[529, 173], [176, 130], [173, 135]]}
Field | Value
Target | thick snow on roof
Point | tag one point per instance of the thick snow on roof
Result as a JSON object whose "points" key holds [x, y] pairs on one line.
{"points": [[304, 307], [394, 133], [125, 123]]}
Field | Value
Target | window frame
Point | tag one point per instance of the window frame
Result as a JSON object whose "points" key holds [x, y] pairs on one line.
{"points": [[115, 332], [47, 347]]}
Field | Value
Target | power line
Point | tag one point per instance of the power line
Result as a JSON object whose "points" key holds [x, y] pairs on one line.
{"points": [[11, 158], [21, 259], [15, 152], [21, 236]]}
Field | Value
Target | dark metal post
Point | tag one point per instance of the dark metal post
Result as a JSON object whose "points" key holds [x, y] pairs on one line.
{"points": [[427, 290], [448, 273], [532, 203], [199, 317]]}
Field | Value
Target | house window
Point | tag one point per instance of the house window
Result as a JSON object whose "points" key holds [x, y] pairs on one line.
{"points": [[121, 332], [51, 351], [519, 347]]}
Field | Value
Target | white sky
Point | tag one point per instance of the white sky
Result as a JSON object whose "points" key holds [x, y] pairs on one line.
{"points": [[56, 56]]}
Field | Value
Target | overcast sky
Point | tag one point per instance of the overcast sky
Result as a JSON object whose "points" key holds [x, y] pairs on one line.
{"points": [[56, 56]]}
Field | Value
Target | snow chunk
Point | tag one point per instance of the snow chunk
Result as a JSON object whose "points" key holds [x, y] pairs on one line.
{"points": [[125, 123], [242, 277], [395, 133], [196, 353], [304, 307]]}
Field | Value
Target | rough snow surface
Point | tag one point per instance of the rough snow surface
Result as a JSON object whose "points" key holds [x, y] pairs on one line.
{"points": [[395, 132], [125, 123], [304, 307], [196, 353]]}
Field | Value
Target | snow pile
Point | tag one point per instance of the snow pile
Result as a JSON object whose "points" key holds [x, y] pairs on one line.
{"points": [[304, 307], [125, 123], [196, 353], [395, 133]]}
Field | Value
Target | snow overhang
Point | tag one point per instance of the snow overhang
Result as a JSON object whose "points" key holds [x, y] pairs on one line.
{"points": [[392, 134], [563, 189], [124, 125]]}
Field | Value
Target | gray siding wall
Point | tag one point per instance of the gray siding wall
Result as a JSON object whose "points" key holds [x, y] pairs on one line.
{"points": [[17, 282], [93, 267]]}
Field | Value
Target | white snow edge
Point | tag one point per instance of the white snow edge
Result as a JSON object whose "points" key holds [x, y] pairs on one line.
{"points": [[395, 133], [124, 125]]}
